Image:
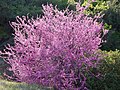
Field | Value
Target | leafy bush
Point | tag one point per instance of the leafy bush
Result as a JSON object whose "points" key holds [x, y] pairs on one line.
{"points": [[95, 7], [113, 41], [110, 73], [112, 62], [112, 17], [56, 49], [111, 9]]}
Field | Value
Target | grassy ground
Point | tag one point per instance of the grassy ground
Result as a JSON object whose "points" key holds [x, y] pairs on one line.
{"points": [[8, 85]]}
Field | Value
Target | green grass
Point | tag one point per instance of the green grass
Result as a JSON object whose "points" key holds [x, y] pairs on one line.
{"points": [[9, 85]]}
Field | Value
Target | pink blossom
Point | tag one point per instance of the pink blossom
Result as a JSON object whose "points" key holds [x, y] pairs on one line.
{"points": [[55, 50]]}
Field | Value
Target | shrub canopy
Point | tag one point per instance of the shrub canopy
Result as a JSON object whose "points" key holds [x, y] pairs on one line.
{"points": [[56, 49]]}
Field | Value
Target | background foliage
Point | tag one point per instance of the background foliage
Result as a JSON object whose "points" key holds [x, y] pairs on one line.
{"points": [[112, 17], [9, 9], [110, 69], [111, 11]]}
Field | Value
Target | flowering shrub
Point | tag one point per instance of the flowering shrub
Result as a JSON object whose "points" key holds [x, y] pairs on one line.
{"points": [[55, 50]]}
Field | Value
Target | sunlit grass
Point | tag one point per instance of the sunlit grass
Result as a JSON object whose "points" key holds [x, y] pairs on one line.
{"points": [[8, 85]]}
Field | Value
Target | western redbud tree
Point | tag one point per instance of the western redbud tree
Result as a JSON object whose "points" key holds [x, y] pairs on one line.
{"points": [[56, 49]]}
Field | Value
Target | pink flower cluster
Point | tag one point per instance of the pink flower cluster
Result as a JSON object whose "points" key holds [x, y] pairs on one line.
{"points": [[56, 49]]}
